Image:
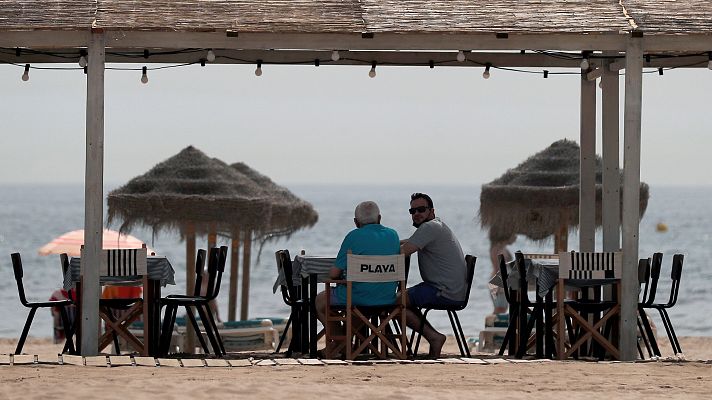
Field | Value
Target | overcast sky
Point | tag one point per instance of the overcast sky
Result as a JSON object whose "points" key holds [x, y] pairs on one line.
{"points": [[303, 124]]}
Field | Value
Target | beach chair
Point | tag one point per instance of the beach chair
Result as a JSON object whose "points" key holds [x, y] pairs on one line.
{"points": [[298, 306], [645, 331], [675, 275], [216, 267], [33, 306], [376, 320], [585, 270], [252, 334], [470, 261]]}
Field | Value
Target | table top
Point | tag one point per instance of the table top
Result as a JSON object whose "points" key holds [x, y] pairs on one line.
{"points": [[542, 274], [159, 268], [303, 266]]}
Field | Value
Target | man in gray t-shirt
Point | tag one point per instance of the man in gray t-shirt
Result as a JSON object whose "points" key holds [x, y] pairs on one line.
{"points": [[442, 267]]}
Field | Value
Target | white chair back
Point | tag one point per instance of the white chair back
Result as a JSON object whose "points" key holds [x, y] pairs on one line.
{"points": [[360, 268], [123, 262], [590, 265]]}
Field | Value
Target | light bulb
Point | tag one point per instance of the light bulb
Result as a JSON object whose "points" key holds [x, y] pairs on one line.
{"points": [[144, 75], [335, 55], [584, 63], [258, 70], [211, 56], [461, 56], [372, 72], [486, 74], [82, 61], [709, 64], [26, 74]]}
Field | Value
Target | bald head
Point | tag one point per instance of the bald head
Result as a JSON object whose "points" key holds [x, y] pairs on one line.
{"points": [[367, 212]]}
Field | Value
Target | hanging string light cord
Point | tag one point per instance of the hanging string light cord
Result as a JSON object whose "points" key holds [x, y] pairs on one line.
{"points": [[75, 55]]}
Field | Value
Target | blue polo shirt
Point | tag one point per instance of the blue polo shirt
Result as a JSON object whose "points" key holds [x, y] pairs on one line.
{"points": [[371, 240]]}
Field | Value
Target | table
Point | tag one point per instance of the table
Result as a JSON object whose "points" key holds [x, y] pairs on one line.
{"points": [[160, 273], [542, 276]]}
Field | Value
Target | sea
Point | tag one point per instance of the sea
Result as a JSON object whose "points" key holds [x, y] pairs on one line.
{"points": [[32, 215]]}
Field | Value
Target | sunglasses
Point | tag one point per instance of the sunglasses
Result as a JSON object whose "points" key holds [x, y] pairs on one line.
{"points": [[420, 209]]}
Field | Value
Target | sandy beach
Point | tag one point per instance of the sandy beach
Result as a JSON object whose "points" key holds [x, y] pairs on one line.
{"points": [[449, 378]]}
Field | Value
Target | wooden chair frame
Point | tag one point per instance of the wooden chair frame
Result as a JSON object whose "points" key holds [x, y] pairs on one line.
{"points": [[357, 317]]}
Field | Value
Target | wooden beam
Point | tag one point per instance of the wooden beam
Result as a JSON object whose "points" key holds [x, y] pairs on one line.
{"points": [[631, 196], [46, 39], [587, 166], [611, 200], [93, 197]]}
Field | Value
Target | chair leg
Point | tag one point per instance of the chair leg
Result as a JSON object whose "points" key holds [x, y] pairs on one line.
{"points": [[420, 331], [166, 331], [284, 334], [649, 332], [198, 333], [670, 331], [68, 332], [215, 329], [25, 330], [462, 335], [644, 336], [209, 331]]}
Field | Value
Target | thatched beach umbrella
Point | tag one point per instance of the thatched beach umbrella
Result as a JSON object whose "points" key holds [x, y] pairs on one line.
{"points": [[288, 214], [540, 197]]}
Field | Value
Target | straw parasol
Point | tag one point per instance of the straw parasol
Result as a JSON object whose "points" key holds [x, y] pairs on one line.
{"points": [[540, 197]]}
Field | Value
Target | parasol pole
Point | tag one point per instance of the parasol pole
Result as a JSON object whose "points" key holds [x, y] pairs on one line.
{"points": [[561, 236], [246, 249], [234, 274], [189, 232]]}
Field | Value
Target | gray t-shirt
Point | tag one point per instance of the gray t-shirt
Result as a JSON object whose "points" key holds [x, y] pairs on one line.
{"points": [[440, 259]]}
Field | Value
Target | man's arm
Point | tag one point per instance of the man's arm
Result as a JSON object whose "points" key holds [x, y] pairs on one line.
{"points": [[335, 273], [408, 248]]}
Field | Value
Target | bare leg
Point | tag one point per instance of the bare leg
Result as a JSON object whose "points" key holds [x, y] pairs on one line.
{"points": [[435, 339]]}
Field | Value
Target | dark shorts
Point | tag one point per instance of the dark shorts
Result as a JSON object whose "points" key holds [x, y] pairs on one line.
{"points": [[424, 294]]}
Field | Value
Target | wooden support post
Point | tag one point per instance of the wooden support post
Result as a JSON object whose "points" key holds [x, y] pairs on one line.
{"points": [[246, 249], [561, 236], [611, 197], [190, 255], [234, 275], [631, 195], [93, 195], [587, 166]]}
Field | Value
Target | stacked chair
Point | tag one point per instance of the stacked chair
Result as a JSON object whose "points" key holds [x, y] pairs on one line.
{"points": [[648, 302], [216, 267], [299, 307]]}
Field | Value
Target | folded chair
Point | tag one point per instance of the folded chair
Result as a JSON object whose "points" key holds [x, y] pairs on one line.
{"points": [[585, 270], [645, 331], [216, 267], [118, 314], [298, 307], [33, 306], [675, 275], [354, 342], [451, 313]]}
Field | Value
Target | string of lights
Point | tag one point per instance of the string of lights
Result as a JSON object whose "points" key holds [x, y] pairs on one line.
{"points": [[588, 59]]}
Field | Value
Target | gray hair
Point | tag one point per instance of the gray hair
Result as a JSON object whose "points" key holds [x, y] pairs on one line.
{"points": [[367, 212]]}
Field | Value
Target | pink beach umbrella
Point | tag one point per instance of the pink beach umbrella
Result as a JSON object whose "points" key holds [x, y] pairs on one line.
{"points": [[71, 243]]}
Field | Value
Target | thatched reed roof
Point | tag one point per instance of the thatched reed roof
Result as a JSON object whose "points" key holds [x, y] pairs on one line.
{"points": [[288, 212], [357, 16], [191, 187], [540, 195]]}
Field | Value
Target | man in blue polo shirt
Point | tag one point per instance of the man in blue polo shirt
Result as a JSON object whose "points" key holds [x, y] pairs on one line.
{"points": [[369, 238]]}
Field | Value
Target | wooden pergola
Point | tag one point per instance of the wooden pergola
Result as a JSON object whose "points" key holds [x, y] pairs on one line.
{"points": [[611, 35]]}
